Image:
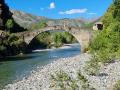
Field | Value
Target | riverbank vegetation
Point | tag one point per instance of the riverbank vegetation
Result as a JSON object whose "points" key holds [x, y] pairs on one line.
{"points": [[105, 46], [61, 80], [11, 44], [117, 86], [52, 39]]}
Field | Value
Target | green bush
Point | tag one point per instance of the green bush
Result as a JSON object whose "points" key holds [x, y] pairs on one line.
{"points": [[117, 86], [107, 18], [9, 24], [62, 81], [11, 44], [107, 43], [39, 25], [43, 40], [60, 38], [92, 67]]}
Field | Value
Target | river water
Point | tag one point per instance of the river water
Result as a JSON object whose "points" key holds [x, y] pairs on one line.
{"points": [[15, 68]]}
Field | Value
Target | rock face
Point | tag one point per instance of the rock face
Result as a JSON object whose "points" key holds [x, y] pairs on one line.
{"points": [[5, 14], [26, 20]]}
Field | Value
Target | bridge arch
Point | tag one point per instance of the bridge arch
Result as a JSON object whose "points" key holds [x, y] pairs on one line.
{"points": [[47, 38], [82, 36]]}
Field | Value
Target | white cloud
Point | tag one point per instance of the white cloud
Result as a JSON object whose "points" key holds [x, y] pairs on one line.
{"points": [[74, 11], [92, 13], [52, 5]]}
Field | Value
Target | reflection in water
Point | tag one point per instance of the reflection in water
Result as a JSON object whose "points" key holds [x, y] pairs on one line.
{"points": [[15, 68], [15, 58]]}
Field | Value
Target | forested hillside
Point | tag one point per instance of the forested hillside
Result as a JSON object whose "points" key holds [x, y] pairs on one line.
{"points": [[105, 45], [10, 44]]}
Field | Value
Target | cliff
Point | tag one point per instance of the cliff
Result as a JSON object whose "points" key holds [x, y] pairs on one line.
{"points": [[5, 14]]}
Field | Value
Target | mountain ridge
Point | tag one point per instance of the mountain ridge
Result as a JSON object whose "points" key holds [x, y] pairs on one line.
{"points": [[26, 20]]}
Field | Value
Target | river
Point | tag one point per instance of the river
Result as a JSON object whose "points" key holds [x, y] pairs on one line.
{"points": [[15, 68]]}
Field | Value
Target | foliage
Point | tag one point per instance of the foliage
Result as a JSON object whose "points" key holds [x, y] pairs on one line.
{"points": [[52, 39], [107, 18], [57, 39], [92, 66], [11, 44], [62, 81], [116, 13], [117, 86], [87, 25], [105, 46], [84, 82], [43, 40], [9, 24], [60, 38], [39, 25]]}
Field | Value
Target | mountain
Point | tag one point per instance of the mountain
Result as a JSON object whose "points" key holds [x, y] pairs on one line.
{"points": [[27, 20], [89, 20]]}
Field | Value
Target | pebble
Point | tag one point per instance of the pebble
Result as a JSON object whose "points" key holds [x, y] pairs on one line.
{"points": [[40, 79]]}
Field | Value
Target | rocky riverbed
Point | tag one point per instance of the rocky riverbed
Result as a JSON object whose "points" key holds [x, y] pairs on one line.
{"points": [[40, 79]]}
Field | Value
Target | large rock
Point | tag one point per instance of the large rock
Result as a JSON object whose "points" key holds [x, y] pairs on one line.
{"points": [[5, 14]]}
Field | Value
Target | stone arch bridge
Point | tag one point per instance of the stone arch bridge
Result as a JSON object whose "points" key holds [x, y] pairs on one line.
{"points": [[82, 36]]}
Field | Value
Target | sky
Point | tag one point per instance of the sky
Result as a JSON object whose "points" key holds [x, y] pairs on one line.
{"points": [[61, 8]]}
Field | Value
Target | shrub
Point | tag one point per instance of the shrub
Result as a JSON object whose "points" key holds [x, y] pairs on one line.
{"points": [[84, 82], [61, 80], [117, 86], [11, 45], [39, 25], [92, 67], [9, 24], [58, 39]]}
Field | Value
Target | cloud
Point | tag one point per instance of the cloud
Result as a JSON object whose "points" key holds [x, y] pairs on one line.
{"points": [[74, 11], [92, 13], [52, 5]]}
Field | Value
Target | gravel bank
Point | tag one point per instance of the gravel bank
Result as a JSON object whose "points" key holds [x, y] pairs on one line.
{"points": [[40, 79]]}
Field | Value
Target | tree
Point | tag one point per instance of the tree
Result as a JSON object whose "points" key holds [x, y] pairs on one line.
{"points": [[116, 13], [9, 24]]}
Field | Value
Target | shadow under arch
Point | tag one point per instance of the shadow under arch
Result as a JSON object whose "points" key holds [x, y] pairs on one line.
{"points": [[47, 36]]}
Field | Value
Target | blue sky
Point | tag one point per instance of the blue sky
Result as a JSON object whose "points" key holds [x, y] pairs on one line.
{"points": [[61, 8]]}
